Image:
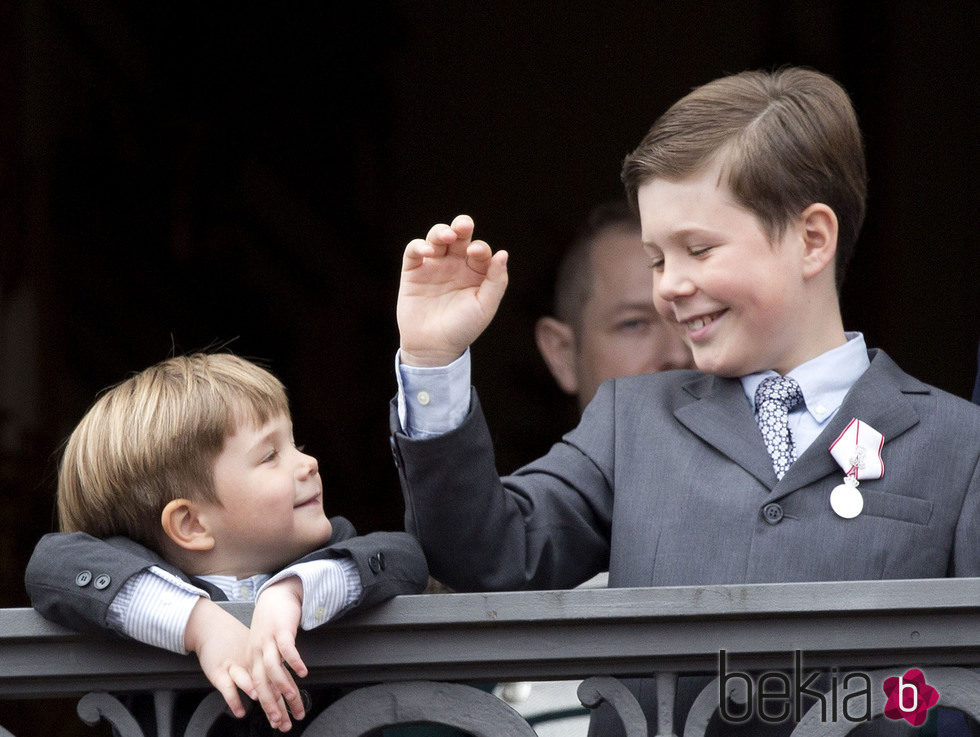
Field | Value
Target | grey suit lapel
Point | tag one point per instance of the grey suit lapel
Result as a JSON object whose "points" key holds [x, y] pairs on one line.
{"points": [[877, 398], [722, 417]]}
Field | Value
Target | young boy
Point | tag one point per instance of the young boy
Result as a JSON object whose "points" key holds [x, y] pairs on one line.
{"points": [[751, 195], [189, 472]]}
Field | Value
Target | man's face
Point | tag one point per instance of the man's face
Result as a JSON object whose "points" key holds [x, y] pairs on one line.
{"points": [[738, 297], [621, 332], [270, 495]]}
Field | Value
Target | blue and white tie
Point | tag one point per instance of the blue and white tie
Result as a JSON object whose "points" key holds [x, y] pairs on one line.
{"points": [[774, 399]]}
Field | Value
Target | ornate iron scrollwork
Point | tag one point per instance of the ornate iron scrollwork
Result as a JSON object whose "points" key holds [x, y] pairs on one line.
{"points": [[205, 715], [98, 706], [95, 707], [414, 702], [598, 689]]}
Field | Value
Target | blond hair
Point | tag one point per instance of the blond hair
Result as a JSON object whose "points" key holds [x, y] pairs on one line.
{"points": [[154, 438], [787, 139]]}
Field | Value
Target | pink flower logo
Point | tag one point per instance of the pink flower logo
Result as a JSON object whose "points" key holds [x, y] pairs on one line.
{"points": [[909, 697]]}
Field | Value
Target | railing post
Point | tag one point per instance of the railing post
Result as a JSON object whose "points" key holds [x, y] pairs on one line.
{"points": [[163, 708], [666, 691]]}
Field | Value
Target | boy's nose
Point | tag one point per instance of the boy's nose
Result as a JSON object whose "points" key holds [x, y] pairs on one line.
{"points": [[672, 283], [308, 467]]}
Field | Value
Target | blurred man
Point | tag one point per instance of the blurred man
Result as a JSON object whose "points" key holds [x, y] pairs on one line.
{"points": [[604, 323]]}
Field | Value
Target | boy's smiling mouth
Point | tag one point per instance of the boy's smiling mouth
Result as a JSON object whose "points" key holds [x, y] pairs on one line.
{"points": [[696, 325], [315, 499]]}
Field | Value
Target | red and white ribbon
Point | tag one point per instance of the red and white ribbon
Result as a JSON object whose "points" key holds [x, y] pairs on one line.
{"points": [[858, 451]]}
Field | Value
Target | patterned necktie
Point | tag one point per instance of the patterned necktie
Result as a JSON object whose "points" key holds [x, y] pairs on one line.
{"points": [[774, 398]]}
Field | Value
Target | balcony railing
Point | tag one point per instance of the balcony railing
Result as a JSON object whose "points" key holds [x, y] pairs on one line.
{"points": [[422, 650]]}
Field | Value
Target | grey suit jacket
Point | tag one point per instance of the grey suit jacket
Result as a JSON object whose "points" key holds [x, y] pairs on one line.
{"points": [[73, 577], [667, 481]]}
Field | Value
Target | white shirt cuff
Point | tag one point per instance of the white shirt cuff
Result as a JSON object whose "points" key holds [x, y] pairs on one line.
{"points": [[329, 586], [433, 400], [153, 607]]}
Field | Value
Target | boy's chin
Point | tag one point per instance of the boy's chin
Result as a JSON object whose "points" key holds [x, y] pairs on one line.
{"points": [[328, 532], [321, 535], [712, 365]]}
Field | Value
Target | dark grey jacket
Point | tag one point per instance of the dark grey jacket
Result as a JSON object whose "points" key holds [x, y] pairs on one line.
{"points": [[72, 577]]}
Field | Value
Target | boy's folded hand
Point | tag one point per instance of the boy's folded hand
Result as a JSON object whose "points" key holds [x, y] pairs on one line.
{"points": [[221, 644], [272, 646]]}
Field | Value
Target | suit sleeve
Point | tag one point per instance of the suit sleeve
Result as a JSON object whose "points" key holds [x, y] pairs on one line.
{"points": [[73, 577], [545, 526], [388, 563]]}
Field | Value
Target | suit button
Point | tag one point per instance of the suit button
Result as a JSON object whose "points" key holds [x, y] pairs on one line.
{"points": [[376, 563], [103, 581], [83, 578], [773, 513]]}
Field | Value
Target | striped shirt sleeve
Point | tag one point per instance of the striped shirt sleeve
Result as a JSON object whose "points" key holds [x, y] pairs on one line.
{"points": [[329, 586], [153, 607]]}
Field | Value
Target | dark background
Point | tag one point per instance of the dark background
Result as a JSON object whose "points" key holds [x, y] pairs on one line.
{"points": [[182, 175]]}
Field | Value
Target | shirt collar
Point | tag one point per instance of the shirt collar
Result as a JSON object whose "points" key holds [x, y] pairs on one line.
{"points": [[824, 380], [238, 589]]}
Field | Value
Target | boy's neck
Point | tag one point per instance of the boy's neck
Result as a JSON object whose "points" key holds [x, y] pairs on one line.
{"points": [[822, 325], [822, 343], [207, 563]]}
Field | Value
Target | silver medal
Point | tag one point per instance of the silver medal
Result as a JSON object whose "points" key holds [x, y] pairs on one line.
{"points": [[846, 500]]}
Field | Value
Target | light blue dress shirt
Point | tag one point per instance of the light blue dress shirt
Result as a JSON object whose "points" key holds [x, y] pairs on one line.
{"points": [[824, 381]]}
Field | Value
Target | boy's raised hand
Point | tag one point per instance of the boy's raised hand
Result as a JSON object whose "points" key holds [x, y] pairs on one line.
{"points": [[221, 644], [450, 289], [272, 644]]}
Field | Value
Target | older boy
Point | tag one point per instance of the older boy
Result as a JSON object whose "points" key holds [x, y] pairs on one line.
{"points": [[751, 194], [194, 459]]}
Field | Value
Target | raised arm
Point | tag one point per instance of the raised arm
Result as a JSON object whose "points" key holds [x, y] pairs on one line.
{"points": [[450, 289]]}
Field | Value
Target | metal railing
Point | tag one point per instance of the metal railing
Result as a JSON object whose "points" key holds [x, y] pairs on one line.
{"points": [[420, 651]]}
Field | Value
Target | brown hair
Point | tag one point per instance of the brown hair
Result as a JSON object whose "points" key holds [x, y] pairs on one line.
{"points": [[154, 438], [787, 139]]}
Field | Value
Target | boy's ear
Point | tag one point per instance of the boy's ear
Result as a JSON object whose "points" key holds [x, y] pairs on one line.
{"points": [[818, 228], [556, 341], [183, 523]]}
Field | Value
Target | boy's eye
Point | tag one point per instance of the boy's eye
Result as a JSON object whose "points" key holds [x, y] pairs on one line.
{"points": [[699, 251], [301, 447], [271, 455], [656, 263]]}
